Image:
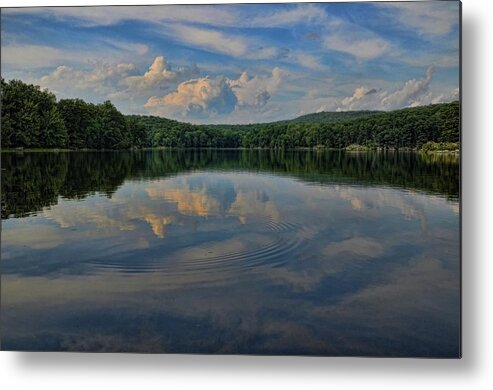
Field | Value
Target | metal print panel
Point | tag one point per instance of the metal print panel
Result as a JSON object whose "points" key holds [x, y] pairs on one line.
{"points": [[272, 179]]}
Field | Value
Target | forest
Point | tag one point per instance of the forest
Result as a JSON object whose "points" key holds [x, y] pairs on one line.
{"points": [[33, 118]]}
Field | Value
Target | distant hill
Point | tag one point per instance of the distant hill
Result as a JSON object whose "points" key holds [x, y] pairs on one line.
{"points": [[404, 128], [332, 117], [314, 118]]}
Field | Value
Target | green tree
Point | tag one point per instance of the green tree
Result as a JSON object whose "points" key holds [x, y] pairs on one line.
{"points": [[77, 115]]}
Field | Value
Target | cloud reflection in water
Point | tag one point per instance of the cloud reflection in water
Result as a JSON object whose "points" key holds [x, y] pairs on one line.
{"points": [[236, 262]]}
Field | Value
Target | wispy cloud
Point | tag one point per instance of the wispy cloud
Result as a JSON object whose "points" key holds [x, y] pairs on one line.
{"points": [[306, 14], [217, 41], [427, 17], [31, 56], [360, 47], [212, 40], [35, 56], [309, 61], [110, 15]]}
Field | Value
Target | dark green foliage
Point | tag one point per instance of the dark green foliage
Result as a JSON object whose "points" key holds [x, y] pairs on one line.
{"points": [[138, 132], [109, 129], [31, 118], [407, 128], [331, 117], [77, 115]]}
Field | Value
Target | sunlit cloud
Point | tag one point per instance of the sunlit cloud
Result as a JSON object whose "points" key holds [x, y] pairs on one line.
{"points": [[197, 97], [256, 91], [158, 224], [160, 76]]}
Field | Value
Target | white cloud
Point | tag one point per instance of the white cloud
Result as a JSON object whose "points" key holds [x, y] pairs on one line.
{"points": [[442, 60], [211, 40], [361, 47], [28, 56], [430, 98], [117, 81], [94, 16], [350, 38], [125, 46], [219, 42], [35, 56], [214, 97], [427, 17], [409, 93], [256, 91], [101, 79], [309, 61], [307, 14], [413, 93], [159, 76], [196, 98]]}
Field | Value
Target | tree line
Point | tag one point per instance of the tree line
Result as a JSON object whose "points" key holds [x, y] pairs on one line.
{"points": [[33, 118]]}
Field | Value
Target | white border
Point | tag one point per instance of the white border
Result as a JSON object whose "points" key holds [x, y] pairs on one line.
{"points": [[474, 371]]}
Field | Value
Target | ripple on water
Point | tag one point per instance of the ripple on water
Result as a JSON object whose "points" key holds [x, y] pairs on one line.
{"points": [[274, 244]]}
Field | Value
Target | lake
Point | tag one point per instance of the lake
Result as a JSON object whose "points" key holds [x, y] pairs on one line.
{"points": [[231, 251]]}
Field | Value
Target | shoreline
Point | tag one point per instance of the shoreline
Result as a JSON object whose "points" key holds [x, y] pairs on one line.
{"points": [[299, 149]]}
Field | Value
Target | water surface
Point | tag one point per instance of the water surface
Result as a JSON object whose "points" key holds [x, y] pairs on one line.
{"points": [[261, 252]]}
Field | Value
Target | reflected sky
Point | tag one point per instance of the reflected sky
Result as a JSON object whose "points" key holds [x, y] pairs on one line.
{"points": [[233, 261]]}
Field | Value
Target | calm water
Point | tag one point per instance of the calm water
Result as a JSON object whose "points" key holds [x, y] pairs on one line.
{"points": [[255, 252]]}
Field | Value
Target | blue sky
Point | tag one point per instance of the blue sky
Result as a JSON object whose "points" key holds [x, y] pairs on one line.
{"points": [[239, 63]]}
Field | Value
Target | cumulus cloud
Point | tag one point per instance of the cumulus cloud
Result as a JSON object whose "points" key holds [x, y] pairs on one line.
{"points": [[414, 92], [195, 98], [256, 91], [431, 98], [159, 76], [409, 94], [217, 95], [118, 81], [101, 79]]}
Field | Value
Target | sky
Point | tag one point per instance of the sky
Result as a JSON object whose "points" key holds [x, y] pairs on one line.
{"points": [[239, 63]]}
